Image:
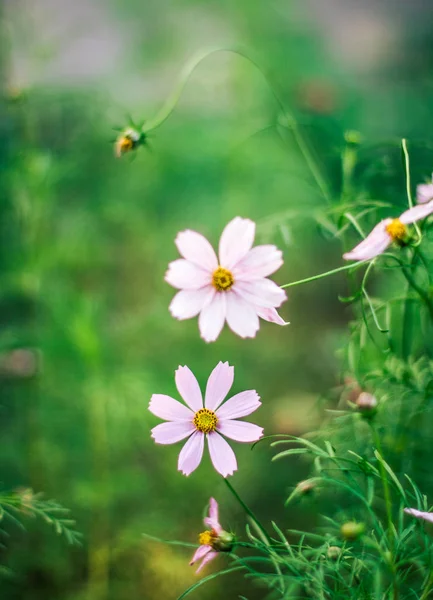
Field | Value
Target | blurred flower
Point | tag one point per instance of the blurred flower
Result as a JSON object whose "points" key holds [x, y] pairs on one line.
{"points": [[128, 140], [333, 552], [212, 540], [419, 514], [306, 486], [366, 403], [424, 192], [388, 231], [233, 288], [212, 421], [352, 530], [21, 363]]}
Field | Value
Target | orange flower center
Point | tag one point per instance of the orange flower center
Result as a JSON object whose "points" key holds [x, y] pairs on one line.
{"points": [[396, 230], [207, 538], [205, 420], [222, 279]]}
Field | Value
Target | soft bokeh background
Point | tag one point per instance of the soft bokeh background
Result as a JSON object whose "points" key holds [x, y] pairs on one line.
{"points": [[86, 336]]}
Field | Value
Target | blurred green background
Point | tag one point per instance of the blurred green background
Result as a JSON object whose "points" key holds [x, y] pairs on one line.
{"points": [[86, 336]]}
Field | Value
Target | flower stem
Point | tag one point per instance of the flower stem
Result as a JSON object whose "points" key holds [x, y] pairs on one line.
{"points": [[321, 275], [247, 509], [385, 483]]}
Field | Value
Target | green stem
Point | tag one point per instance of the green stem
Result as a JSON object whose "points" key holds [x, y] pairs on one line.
{"points": [[321, 275], [428, 588], [385, 483], [408, 186], [419, 290], [247, 509]]}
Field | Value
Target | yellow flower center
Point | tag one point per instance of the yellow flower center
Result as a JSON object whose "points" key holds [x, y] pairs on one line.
{"points": [[125, 144], [205, 420], [396, 230], [207, 538], [222, 279]]}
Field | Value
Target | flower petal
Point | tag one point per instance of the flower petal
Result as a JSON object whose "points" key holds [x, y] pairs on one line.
{"points": [[169, 409], [218, 385], [241, 405], [374, 244], [241, 316], [271, 315], [200, 553], [420, 211], [260, 261], [194, 247], [172, 432], [209, 556], [222, 456], [212, 520], [188, 388], [191, 454], [419, 514], [424, 192], [185, 275], [188, 303], [212, 317], [240, 430], [261, 292], [236, 240]]}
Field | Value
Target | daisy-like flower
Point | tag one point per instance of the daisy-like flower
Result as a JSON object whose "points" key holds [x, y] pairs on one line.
{"points": [[232, 288], [419, 514], [211, 420], [388, 231], [424, 192], [212, 540]]}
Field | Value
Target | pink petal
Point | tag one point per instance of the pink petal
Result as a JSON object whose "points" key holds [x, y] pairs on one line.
{"points": [[200, 553], [260, 261], [209, 556], [374, 244], [188, 303], [218, 385], [424, 192], [172, 432], [191, 454], [270, 314], [185, 275], [419, 514], [222, 456], [421, 211], [169, 409], [188, 388], [212, 317], [241, 405], [212, 520], [240, 431], [236, 240], [241, 316], [194, 247], [261, 292]]}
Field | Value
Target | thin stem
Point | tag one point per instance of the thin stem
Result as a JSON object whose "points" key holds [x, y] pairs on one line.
{"points": [[408, 186], [247, 509], [321, 275], [385, 483], [428, 588], [419, 290]]}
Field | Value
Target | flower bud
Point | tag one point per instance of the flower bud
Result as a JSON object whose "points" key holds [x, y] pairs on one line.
{"points": [[129, 140], [224, 542], [366, 404], [333, 552], [351, 530], [305, 487]]}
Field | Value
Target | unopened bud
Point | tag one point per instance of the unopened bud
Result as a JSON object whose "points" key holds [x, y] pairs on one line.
{"points": [[366, 403], [352, 531], [333, 552], [223, 542], [305, 487]]}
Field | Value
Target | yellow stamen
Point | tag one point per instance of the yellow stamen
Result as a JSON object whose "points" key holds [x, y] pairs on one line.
{"points": [[222, 279], [207, 538], [205, 420], [396, 230]]}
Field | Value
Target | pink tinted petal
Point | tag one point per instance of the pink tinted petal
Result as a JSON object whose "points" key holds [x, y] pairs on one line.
{"points": [[194, 247], [212, 317], [241, 316], [421, 211], [188, 303], [209, 556], [419, 514], [222, 456], [261, 292], [169, 409], [374, 244], [172, 432], [271, 315], [212, 520], [241, 405], [240, 431], [188, 388], [260, 261], [184, 275], [424, 192], [218, 385], [236, 240], [200, 553], [191, 454]]}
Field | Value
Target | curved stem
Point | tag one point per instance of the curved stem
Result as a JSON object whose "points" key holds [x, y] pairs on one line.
{"points": [[247, 509], [408, 186], [321, 275]]}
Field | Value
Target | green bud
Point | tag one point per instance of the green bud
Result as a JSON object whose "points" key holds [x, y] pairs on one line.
{"points": [[224, 542], [333, 552], [351, 530]]}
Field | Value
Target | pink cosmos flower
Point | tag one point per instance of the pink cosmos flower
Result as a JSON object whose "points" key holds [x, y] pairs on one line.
{"points": [[424, 192], [388, 231], [212, 540], [233, 288], [211, 420], [419, 514]]}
